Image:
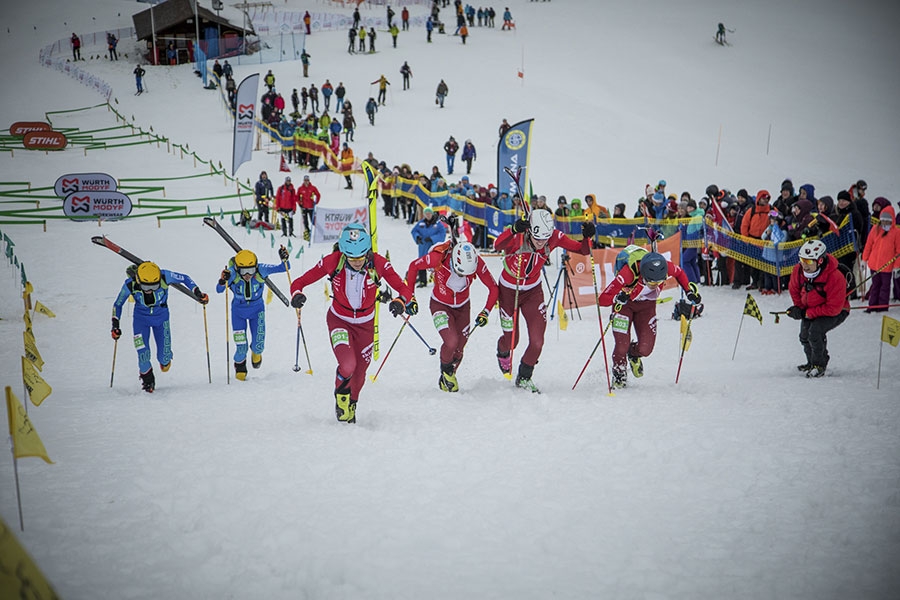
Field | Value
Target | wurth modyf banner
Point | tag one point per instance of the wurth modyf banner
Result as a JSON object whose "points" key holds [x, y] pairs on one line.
{"points": [[244, 117], [512, 153]]}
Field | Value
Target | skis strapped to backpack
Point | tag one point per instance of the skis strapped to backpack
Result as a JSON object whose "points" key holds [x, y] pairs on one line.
{"points": [[102, 240], [237, 248]]}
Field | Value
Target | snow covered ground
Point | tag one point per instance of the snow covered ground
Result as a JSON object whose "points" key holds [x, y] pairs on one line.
{"points": [[742, 481]]}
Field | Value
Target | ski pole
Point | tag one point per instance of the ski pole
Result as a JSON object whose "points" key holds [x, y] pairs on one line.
{"points": [[602, 331], [874, 273], [873, 307], [684, 343], [431, 351], [227, 341], [597, 345], [113, 372], [206, 335], [384, 360], [300, 334], [515, 319]]}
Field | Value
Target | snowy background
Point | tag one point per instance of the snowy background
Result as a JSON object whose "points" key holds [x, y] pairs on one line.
{"points": [[743, 481]]}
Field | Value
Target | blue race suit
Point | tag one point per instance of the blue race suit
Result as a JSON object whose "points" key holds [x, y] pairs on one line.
{"points": [[151, 314], [248, 310]]}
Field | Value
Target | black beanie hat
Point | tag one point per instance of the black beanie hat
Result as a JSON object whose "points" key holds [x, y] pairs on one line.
{"points": [[844, 195]]}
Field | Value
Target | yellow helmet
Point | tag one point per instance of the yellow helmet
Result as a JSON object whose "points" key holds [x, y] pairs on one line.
{"points": [[245, 259], [148, 272]]}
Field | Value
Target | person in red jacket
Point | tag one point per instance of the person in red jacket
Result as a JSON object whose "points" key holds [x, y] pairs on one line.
{"points": [[355, 273], [455, 267], [819, 293], [633, 294], [882, 248], [308, 197], [286, 205], [527, 245]]}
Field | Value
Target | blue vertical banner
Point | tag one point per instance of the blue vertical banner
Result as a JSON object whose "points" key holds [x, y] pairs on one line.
{"points": [[512, 153], [244, 116]]}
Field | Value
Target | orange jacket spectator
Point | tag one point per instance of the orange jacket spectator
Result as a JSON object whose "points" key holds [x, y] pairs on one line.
{"points": [[756, 219]]}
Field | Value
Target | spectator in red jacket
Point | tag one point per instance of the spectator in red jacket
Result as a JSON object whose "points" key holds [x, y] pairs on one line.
{"points": [[308, 196], [286, 205]]}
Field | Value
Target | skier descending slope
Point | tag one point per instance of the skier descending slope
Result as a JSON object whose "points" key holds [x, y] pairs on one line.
{"points": [[355, 273], [149, 286], [633, 294], [246, 278], [455, 267], [527, 245]]}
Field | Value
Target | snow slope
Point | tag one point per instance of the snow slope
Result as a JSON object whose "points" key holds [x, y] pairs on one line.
{"points": [[745, 480]]}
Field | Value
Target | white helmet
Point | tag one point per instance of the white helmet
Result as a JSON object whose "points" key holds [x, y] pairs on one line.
{"points": [[464, 259], [813, 250], [540, 223]]}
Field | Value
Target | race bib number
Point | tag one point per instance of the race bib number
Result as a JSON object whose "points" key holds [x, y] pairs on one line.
{"points": [[339, 336], [620, 324], [240, 337]]}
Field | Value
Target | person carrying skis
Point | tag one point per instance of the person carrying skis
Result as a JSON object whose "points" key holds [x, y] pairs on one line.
{"points": [[246, 278], [149, 285], [455, 264], [286, 205], [633, 294], [263, 190], [308, 196], [355, 272], [819, 293], [527, 246]]}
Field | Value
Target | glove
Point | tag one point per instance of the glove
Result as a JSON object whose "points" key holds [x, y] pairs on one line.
{"points": [[412, 307], [795, 312], [298, 300], [428, 241], [588, 229], [283, 254], [482, 319], [418, 239], [396, 307], [384, 296], [200, 296], [224, 277], [116, 332], [693, 294], [622, 299], [520, 226]]}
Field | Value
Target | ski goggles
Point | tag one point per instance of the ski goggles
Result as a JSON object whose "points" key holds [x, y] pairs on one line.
{"points": [[149, 287], [809, 261], [246, 270]]}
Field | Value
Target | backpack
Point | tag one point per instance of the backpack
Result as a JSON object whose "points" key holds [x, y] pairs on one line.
{"points": [[630, 255]]}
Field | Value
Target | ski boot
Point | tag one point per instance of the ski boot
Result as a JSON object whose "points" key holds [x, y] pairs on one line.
{"points": [[447, 381], [165, 368], [344, 408], [523, 378], [505, 362], [255, 360], [816, 371], [620, 378], [805, 367], [240, 370], [148, 381], [637, 367]]}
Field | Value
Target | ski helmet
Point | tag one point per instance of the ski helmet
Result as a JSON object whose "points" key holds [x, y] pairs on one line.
{"points": [[464, 259], [355, 241], [148, 273], [540, 224], [812, 250], [654, 268], [245, 259]]}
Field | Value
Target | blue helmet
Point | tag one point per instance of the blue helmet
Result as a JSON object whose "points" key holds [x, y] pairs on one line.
{"points": [[355, 241]]}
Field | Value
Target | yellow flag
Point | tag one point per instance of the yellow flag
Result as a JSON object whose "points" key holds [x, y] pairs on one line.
{"points": [[26, 441], [38, 389], [751, 308], [20, 577], [685, 334], [890, 331], [28, 289], [38, 307], [27, 321], [327, 294], [31, 351], [563, 317]]}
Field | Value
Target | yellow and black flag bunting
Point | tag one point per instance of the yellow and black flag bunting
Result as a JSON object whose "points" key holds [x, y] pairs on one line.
{"points": [[752, 309]]}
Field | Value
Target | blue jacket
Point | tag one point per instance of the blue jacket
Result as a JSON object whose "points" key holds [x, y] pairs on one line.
{"points": [[430, 234], [335, 127], [468, 151], [150, 302], [264, 188], [248, 293]]}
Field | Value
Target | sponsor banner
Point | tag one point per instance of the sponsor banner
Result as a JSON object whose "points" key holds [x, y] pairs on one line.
{"points": [[109, 206], [84, 182], [331, 221], [44, 140], [20, 128], [244, 115], [512, 153], [605, 264]]}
